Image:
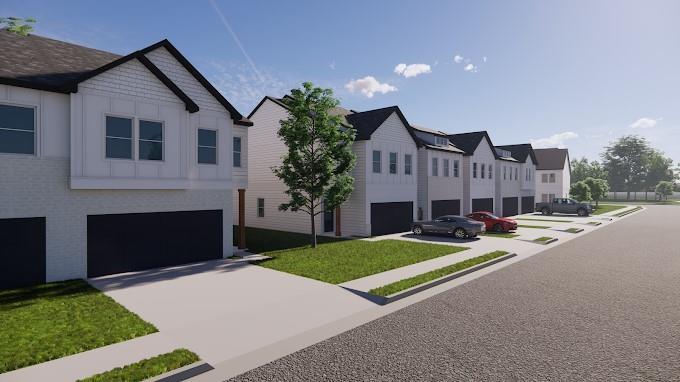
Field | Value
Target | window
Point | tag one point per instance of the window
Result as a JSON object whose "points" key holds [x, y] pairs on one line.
{"points": [[544, 178], [118, 137], [526, 174], [150, 140], [407, 164], [393, 163], [207, 146], [544, 198], [260, 207], [552, 177], [376, 162], [483, 170], [551, 197], [435, 166], [516, 172], [456, 166], [446, 167], [505, 172], [237, 151], [474, 170], [439, 141], [17, 129], [490, 171]]}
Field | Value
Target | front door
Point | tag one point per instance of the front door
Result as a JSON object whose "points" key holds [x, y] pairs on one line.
{"points": [[328, 221]]}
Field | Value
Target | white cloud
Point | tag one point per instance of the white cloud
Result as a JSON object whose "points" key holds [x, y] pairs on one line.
{"points": [[555, 140], [645, 123], [470, 68], [368, 86], [484, 59], [245, 88], [332, 65], [412, 70], [458, 59]]}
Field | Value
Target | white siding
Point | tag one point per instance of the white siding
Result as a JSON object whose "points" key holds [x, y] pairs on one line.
{"points": [[438, 187], [480, 188], [561, 186]]}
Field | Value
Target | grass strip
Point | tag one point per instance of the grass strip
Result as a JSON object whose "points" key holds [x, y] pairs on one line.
{"points": [[546, 220], [146, 368], [411, 282], [604, 208], [54, 320], [542, 239], [347, 260], [594, 223], [505, 235], [573, 230], [533, 226], [626, 212]]}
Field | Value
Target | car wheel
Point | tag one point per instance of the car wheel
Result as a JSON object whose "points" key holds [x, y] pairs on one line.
{"points": [[460, 233], [545, 211], [498, 227], [582, 212], [417, 230]]}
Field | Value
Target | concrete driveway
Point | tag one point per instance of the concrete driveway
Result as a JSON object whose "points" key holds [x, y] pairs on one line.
{"points": [[226, 308]]}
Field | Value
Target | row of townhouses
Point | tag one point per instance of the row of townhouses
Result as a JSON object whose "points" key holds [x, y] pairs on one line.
{"points": [[112, 164]]}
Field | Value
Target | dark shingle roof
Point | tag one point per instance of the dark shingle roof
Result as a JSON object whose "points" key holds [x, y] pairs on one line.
{"points": [[520, 152], [551, 159], [46, 64], [468, 142], [428, 130]]}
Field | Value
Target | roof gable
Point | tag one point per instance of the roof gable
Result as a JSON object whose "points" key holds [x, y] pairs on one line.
{"points": [[367, 122], [521, 152], [551, 159], [469, 142]]}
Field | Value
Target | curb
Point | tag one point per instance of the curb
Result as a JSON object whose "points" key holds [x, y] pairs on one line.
{"points": [[382, 300], [183, 373]]}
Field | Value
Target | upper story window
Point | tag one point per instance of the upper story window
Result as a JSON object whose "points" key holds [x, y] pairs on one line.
{"points": [[456, 167], [474, 170], [446, 167], [516, 172], [435, 166], [118, 137], [552, 177], [393, 163], [490, 171], [526, 174], [407, 164], [483, 169], [377, 165], [17, 129], [440, 141], [505, 172], [150, 140], [237, 151], [207, 146], [544, 178]]}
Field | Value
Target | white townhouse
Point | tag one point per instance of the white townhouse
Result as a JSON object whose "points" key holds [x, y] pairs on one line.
{"points": [[553, 173], [111, 164], [384, 199], [515, 186], [440, 174], [479, 160]]}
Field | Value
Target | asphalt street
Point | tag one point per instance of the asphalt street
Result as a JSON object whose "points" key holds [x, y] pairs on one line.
{"points": [[604, 307]]}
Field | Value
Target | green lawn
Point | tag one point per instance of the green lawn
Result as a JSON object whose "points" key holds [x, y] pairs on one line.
{"points": [[573, 230], [411, 282], [542, 239], [347, 260], [54, 320], [505, 235], [604, 208], [146, 368], [594, 223], [259, 240], [630, 211], [546, 220], [533, 226]]}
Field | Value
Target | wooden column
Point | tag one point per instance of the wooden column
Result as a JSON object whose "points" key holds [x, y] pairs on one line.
{"points": [[338, 230], [241, 218]]}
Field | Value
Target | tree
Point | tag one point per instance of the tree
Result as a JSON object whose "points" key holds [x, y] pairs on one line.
{"points": [[316, 169], [581, 169], [659, 169], [580, 191], [664, 189], [598, 189], [626, 163], [18, 25]]}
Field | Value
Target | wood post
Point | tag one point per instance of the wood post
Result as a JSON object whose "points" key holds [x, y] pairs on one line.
{"points": [[338, 230], [241, 218]]}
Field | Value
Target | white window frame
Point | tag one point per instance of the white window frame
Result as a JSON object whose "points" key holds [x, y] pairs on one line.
{"points": [[408, 164], [474, 170], [240, 152], [483, 168], [217, 145], [133, 137], [35, 127], [456, 168], [445, 165], [390, 163], [490, 171], [552, 178], [258, 208], [378, 162], [435, 166], [139, 139], [440, 141]]}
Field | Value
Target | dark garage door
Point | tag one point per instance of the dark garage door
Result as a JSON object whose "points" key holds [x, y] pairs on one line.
{"points": [[510, 206], [133, 242], [482, 205], [445, 207], [391, 217], [527, 204], [22, 252]]}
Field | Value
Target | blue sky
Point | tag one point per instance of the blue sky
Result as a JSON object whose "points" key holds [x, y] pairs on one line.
{"points": [[572, 73]]}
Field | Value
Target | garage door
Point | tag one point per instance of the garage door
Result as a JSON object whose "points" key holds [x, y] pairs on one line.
{"points": [[445, 207], [133, 242], [482, 205], [510, 206], [22, 252], [527, 204], [391, 217]]}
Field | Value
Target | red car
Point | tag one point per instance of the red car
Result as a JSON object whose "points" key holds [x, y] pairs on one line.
{"points": [[493, 222]]}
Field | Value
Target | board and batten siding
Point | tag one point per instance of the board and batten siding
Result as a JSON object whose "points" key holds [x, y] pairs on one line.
{"points": [[438, 187], [478, 188]]}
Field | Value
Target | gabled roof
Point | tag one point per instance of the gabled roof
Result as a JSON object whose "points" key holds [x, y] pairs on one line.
{"points": [[367, 122], [469, 142], [451, 148], [551, 159], [45, 64], [521, 152], [428, 130]]}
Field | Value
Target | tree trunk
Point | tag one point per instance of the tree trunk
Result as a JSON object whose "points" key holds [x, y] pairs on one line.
{"points": [[313, 238]]}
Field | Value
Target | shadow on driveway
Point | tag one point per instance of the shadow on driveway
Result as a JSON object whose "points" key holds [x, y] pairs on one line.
{"points": [[439, 238]]}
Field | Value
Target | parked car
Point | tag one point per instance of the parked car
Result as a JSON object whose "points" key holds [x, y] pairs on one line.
{"points": [[460, 227], [564, 206], [493, 222]]}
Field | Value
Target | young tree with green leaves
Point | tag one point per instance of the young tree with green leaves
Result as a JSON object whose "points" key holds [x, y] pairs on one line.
{"points": [[580, 191], [317, 167], [581, 169], [626, 162], [598, 189], [18, 25], [664, 189]]}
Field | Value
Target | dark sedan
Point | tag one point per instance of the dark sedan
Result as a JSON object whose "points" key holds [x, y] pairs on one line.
{"points": [[460, 227]]}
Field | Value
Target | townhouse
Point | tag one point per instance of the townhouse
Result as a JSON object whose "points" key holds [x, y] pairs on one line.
{"points": [[111, 163], [553, 173], [384, 199], [515, 185], [440, 175]]}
